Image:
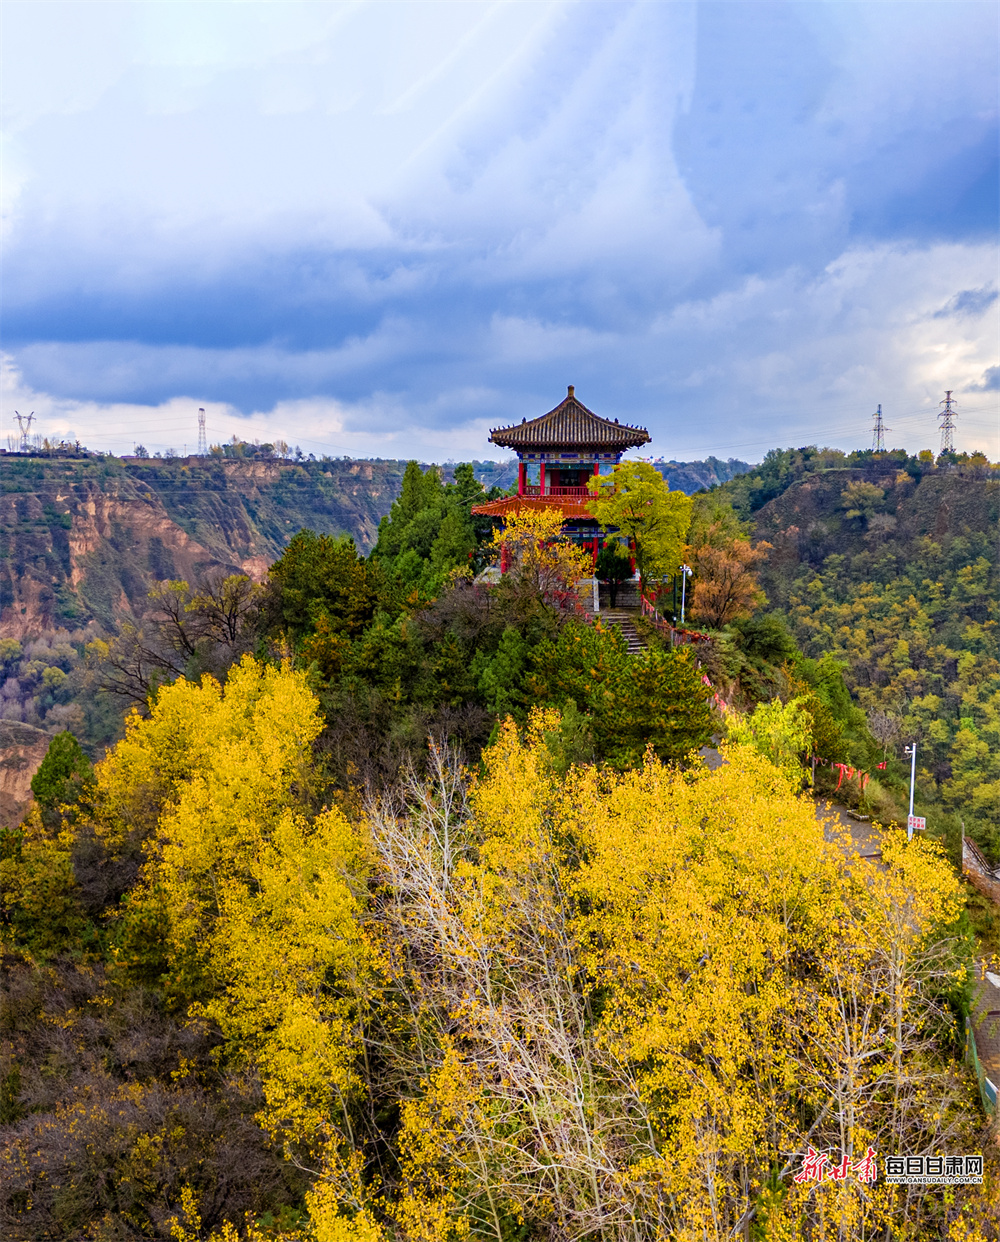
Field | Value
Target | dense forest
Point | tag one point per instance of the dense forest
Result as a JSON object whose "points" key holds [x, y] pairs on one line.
{"points": [[404, 907], [888, 564], [86, 537]]}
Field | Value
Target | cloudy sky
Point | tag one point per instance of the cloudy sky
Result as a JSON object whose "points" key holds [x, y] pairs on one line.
{"points": [[379, 228]]}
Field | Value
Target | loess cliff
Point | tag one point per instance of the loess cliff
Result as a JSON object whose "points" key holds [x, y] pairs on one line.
{"points": [[84, 539]]}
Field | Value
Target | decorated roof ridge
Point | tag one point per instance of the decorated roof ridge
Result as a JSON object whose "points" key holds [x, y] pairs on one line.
{"points": [[569, 424]]}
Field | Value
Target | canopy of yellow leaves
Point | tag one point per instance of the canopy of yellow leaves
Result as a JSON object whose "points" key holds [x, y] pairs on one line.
{"points": [[260, 903], [653, 991], [532, 546], [599, 1004]]}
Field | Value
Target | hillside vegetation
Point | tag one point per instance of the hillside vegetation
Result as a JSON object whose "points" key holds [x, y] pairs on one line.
{"points": [[406, 911], [535, 1001], [84, 539], [889, 566]]}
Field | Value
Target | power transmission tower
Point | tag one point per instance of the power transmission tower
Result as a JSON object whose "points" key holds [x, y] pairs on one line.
{"points": [[947, 423], [24, 422], [202, 442], [878, 436]]}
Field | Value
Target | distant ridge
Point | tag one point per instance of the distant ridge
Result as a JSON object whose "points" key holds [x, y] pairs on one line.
{"points": [[85, 537], [693, 476]]}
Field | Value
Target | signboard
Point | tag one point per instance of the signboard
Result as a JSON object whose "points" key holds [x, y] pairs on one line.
{"points": [[916, 823]]}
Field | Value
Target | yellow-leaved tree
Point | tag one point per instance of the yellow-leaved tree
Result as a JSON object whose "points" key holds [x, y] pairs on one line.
{"points": [[635, 500], [565, 1004], [540, 566], [781, 732], [628, 1005], [255, 902]]}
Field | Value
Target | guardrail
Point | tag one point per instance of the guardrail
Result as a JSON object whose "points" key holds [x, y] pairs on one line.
{"points": [[676, 634], [987, 1090], [977, 870]]}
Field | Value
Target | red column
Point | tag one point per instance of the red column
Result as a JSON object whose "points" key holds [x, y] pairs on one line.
{"points": [[541, 479], [597, 541], [520, 478]]}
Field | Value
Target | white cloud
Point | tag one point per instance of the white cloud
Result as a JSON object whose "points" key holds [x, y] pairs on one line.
{"points": [[813, 356], [802, 360], [394, 225], [215, 112], [380, 426], [515, 340]]}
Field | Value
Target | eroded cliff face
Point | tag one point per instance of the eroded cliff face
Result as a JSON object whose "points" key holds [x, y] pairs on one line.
{"points": [[84, 540], [22, 749], [84, 553]]}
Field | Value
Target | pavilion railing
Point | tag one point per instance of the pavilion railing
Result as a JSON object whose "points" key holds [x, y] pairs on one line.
{"points": [[576, 493]]}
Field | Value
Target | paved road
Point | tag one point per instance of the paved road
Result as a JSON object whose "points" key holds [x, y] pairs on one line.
{"points": [[866, 840], [986, 1002]]}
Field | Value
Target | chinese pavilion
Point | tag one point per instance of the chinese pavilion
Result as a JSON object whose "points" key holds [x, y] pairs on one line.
{"points": [[556, 455]]}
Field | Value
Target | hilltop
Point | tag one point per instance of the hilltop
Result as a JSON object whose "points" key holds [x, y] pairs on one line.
{"points": [[409, 819], [889, 565], [85, 537]]}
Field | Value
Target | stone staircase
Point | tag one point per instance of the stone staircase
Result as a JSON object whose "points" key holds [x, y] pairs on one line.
{"points": [[626, 623]]}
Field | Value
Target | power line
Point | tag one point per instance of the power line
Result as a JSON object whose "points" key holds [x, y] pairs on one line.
{"points": [[181, 425]]}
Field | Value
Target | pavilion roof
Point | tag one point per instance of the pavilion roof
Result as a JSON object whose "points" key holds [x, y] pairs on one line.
{"points": [[570, 425]]}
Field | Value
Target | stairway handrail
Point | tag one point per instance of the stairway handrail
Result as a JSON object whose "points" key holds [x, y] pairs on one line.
{"points": [[649, 610]]}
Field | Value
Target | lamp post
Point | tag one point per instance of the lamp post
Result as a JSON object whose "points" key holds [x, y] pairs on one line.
{"points": [[912, 752], [686, 572]]}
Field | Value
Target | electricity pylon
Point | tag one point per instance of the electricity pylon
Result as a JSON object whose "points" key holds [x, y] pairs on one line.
{"points": [[947, 423], [24, 422], [878, 436]]}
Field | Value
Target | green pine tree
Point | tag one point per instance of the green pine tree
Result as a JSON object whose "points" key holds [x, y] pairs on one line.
{"points": [[65, 777], [455, 542]]}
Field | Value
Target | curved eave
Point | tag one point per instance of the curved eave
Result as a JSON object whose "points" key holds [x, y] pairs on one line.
{"points": [[570, 509], [570, 426], [508, 437]]}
